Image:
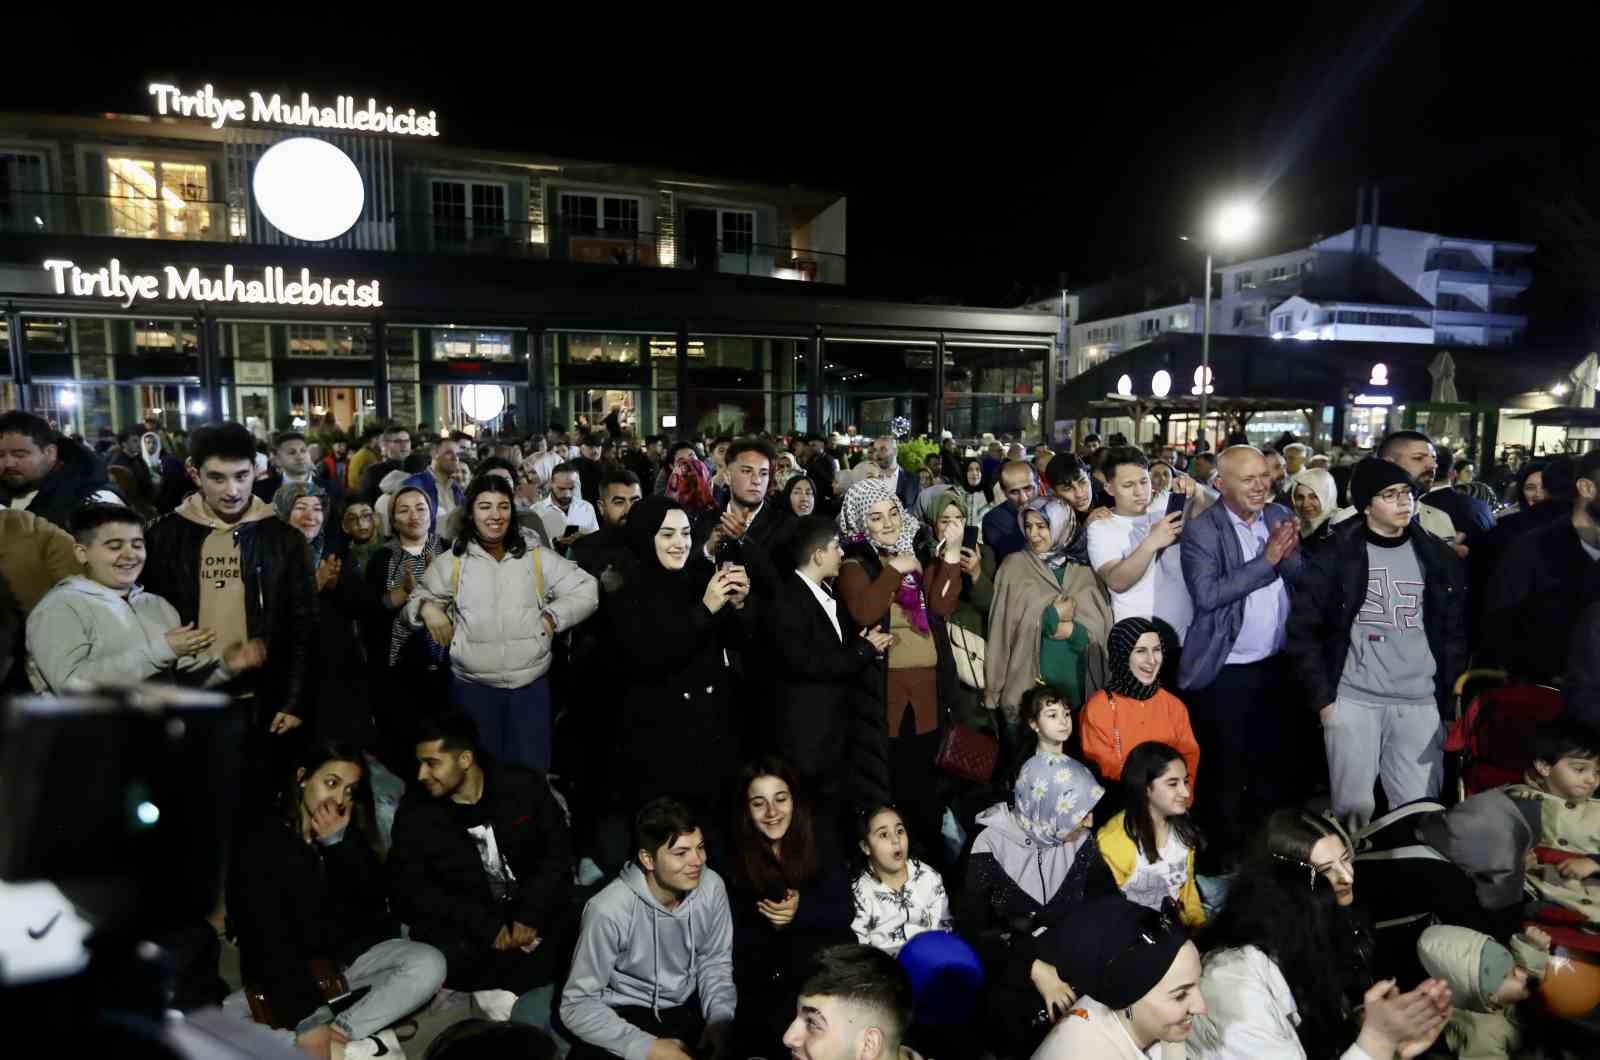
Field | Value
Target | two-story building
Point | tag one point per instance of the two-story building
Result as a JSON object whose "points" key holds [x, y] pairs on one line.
{"points": [[295, 259]]}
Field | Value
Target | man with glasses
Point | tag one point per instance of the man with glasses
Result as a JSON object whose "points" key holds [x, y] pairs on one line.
{"points": [[1377, 636]]}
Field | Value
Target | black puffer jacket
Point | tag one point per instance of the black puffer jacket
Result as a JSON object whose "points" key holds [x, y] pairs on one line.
{"points": [[280, 595], [1332, 589], [76, 478]]}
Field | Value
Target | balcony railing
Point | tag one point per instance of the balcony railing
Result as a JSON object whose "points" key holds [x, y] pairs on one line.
{"points": [[559, 239]]}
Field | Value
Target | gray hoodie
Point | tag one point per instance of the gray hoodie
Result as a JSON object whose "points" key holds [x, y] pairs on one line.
{"points": [[633, 951], [84, 635]]}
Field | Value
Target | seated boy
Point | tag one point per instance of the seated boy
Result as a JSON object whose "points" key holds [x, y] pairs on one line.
{"points": [[1561, 787], [1486, 981], [101, 628]]}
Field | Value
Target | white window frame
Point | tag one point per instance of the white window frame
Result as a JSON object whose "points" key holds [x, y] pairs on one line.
{"points": [[47, 163], [599, 196], [162, 156], [468, 221], [722, 227]]}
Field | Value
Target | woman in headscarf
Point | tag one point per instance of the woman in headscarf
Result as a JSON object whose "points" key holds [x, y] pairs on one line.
{"points": [[944, 513], [1314, 495], [1133, 707], [1035, 860], [690, 485], [676, 620], [975, 487], [413, 670], [1049, 618], [883, 584], [167, 483]]}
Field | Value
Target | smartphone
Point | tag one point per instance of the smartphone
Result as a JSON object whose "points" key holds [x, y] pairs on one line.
{"points": [[345, 1000], [730, 553], [572, 528], [969, 537], [1176, 502]]}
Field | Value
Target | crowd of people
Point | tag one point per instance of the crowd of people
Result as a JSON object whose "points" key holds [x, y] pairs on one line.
{"points": [[722, 746]]}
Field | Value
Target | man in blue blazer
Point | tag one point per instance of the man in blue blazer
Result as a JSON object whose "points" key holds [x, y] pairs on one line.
{"points": [[1240, 558]]}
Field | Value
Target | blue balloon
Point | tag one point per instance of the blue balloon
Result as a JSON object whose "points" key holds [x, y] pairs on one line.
{"points": [[946, 978]]}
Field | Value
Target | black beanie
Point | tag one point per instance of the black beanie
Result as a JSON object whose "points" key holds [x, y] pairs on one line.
{"points": [[1371, 477], [1116, 951]]}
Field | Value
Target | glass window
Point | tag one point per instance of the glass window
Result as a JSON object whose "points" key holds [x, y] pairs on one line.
{"points": [[164, 337], [45, 336], [309, 340], [23, 207], [583, 214], [152, 199], [462, 343], [252, 342], [995, 389], [738, 231], [465, 210]]}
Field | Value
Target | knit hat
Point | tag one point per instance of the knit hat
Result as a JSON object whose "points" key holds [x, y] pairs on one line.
{"points": [[1371, 477], [1116, 951], [1494, 964]]}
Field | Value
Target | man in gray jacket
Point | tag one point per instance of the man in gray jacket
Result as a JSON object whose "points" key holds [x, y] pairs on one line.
{"points": [[653, 973]]}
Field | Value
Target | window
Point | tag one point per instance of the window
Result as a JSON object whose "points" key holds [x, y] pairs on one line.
{"points": [[1279, 272], [152, 199], [162, 336], [1179, 322], [460, 344], [1238, 316], [738, 231], [22, 185], [467, 210], [1150, 326], [1280, 322], [317, 340], [1308, 265], [585, 215], [1243, 281]]}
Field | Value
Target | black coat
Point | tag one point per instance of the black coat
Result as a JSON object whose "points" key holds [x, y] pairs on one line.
{"points": [[440, 888], [767, 546], [1544, 579], [292, 902], [77, 476], [1583, 668], [818, 682], [1330, 592], [280, 596]]}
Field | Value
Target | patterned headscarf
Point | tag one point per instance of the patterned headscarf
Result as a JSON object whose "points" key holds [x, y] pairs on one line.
{"points": [[1053, 793], [283, 503], [1063, 526], [860, 497], [1124, 635], [690, 485]]}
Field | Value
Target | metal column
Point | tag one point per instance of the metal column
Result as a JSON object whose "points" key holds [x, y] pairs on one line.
{"points": [[936, 408], [682, 430], [20, 376], [814, 420], [538, 400], [380, 370], [1047, 408], [208, 333]]}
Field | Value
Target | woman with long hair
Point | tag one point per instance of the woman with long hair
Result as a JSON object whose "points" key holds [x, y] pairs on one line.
{"points": [[789, 899], [1049, 619], [1288, 960], [676, 620], [884, 585], [498, 600], [800, 495], [306, 886], [1150, 845]]}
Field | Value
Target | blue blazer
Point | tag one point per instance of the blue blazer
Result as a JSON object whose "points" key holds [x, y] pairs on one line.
{"points": [[1219, 579], [1001, 532]]}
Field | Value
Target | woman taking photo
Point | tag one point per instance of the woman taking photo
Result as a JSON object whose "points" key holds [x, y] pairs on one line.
{"points": [[1314, 495], [1049, 618], [1150, 846], [676, 620], [1287, 961], [497, 600], [1138, 979], [788, 902], [413, 669], [1035, 859], [946, 517], [306, 886], [883, 585]]}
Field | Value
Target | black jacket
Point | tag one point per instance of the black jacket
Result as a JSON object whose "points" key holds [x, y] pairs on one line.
{"points": [[78, 475], [1543, 581], [767, 546], [440, 889], [817, 681], [1583, 668], [1330, 592], [292, 902], [280, 596]]}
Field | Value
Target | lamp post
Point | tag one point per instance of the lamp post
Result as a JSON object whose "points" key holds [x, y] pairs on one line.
{"points": [[1231, 224]]}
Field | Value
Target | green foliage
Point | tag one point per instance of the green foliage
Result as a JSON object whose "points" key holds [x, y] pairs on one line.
{"points": [[913, 453]]}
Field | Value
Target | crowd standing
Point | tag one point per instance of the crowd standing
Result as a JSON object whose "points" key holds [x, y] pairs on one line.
{"points": [[859, 748]]}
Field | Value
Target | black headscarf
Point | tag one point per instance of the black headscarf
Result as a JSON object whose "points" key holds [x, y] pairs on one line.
{"points": [[985, 483], [1124, 635]]}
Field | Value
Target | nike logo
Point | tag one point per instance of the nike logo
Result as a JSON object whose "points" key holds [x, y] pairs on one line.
{"points": [[38, 933]]}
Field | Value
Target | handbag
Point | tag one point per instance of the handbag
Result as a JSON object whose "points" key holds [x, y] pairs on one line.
{"points": [[968, 754], [968, 649]]}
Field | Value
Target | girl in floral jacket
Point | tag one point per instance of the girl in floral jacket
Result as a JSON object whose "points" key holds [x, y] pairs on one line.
{"points": [[896, 897]]}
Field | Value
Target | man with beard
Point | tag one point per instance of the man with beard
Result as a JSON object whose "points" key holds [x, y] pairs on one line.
{"points": [[47, 473], [291, 462], [396, 448], [229, 565], [1415, 453], [481, 867], [605, 554], [884, 453], [439, 484], [1542, 583], [563, 508], [1001, 530], [820, 468], [587, 465]]}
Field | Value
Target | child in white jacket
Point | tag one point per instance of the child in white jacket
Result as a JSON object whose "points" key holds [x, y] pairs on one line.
{"points": [[896, 897], [101, 629]]}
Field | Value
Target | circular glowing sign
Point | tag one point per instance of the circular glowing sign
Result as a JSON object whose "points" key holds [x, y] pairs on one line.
{"points": [[1125, 386], [483, 402], [1161, 383], [308, 189]]}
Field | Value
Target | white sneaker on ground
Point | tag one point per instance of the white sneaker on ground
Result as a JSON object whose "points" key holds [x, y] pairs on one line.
{"points": [[384, 1043], [495, 1004]]}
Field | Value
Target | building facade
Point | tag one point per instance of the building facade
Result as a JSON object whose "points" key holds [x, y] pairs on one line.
{"points": [[281, 261]]}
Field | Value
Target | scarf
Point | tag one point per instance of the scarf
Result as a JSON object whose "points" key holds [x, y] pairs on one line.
{"points": [[985, 484], [858, 499], [690, 487], [1124, 635], [1063, 524], [400, 561], [1029, 838], [1319, 481], [152, 461], [283, 503]]}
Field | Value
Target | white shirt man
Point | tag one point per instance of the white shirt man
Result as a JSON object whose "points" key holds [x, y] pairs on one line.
{"points": [[563, 508], [1132, 550]]}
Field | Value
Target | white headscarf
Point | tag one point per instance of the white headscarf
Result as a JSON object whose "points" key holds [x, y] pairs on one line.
{"points": [[860, 497], [1319, 481]]}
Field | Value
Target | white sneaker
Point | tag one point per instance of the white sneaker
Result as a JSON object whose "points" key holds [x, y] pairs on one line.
{"points": [[495, 1004], [384, 1043]]}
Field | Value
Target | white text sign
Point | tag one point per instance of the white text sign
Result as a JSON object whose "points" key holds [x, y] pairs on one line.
{"points": [[267, 287], [302, 113]]}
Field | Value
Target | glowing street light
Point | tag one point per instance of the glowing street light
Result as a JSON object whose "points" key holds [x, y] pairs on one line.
{"points": [[1232, 223]]}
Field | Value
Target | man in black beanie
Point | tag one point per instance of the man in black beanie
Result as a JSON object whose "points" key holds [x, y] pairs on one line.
{"points": [[1377, 636]]}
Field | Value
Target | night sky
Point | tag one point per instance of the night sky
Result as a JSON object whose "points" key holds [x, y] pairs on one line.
{"points": [[982, 162]]}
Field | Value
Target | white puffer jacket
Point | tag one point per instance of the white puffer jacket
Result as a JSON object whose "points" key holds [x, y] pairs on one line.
{"points": [[499, 639]]}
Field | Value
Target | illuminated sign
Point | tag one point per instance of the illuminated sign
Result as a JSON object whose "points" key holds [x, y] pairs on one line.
{"points": [[1380, 375], [304, 113], [1161, 383], [308, 189], [1374, 399], [268, 287], [1204, 382]]}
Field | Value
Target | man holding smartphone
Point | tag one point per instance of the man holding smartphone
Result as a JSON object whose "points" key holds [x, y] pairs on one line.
{"points": [[565, 515], [1131, 549]]}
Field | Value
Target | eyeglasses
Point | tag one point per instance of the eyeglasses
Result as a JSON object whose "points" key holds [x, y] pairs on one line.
{"points": [[1393, 494]]}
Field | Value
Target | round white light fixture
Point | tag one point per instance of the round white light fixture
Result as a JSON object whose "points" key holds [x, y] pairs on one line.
{"points": [[1380, 375], [197, 407], [1035, 410], [148, 813], [1125, 386], [482, 402], [1204, 381], [308, 189], [67, 399], [1161, 383]]}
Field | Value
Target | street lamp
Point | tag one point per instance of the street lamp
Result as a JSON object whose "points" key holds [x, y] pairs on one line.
{"points": [[1232, 223]]}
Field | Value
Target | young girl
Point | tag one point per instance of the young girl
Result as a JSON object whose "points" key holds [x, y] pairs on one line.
{"points": [[1133, 707], [896, 896], [1045, 710], [1150, 846]]}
